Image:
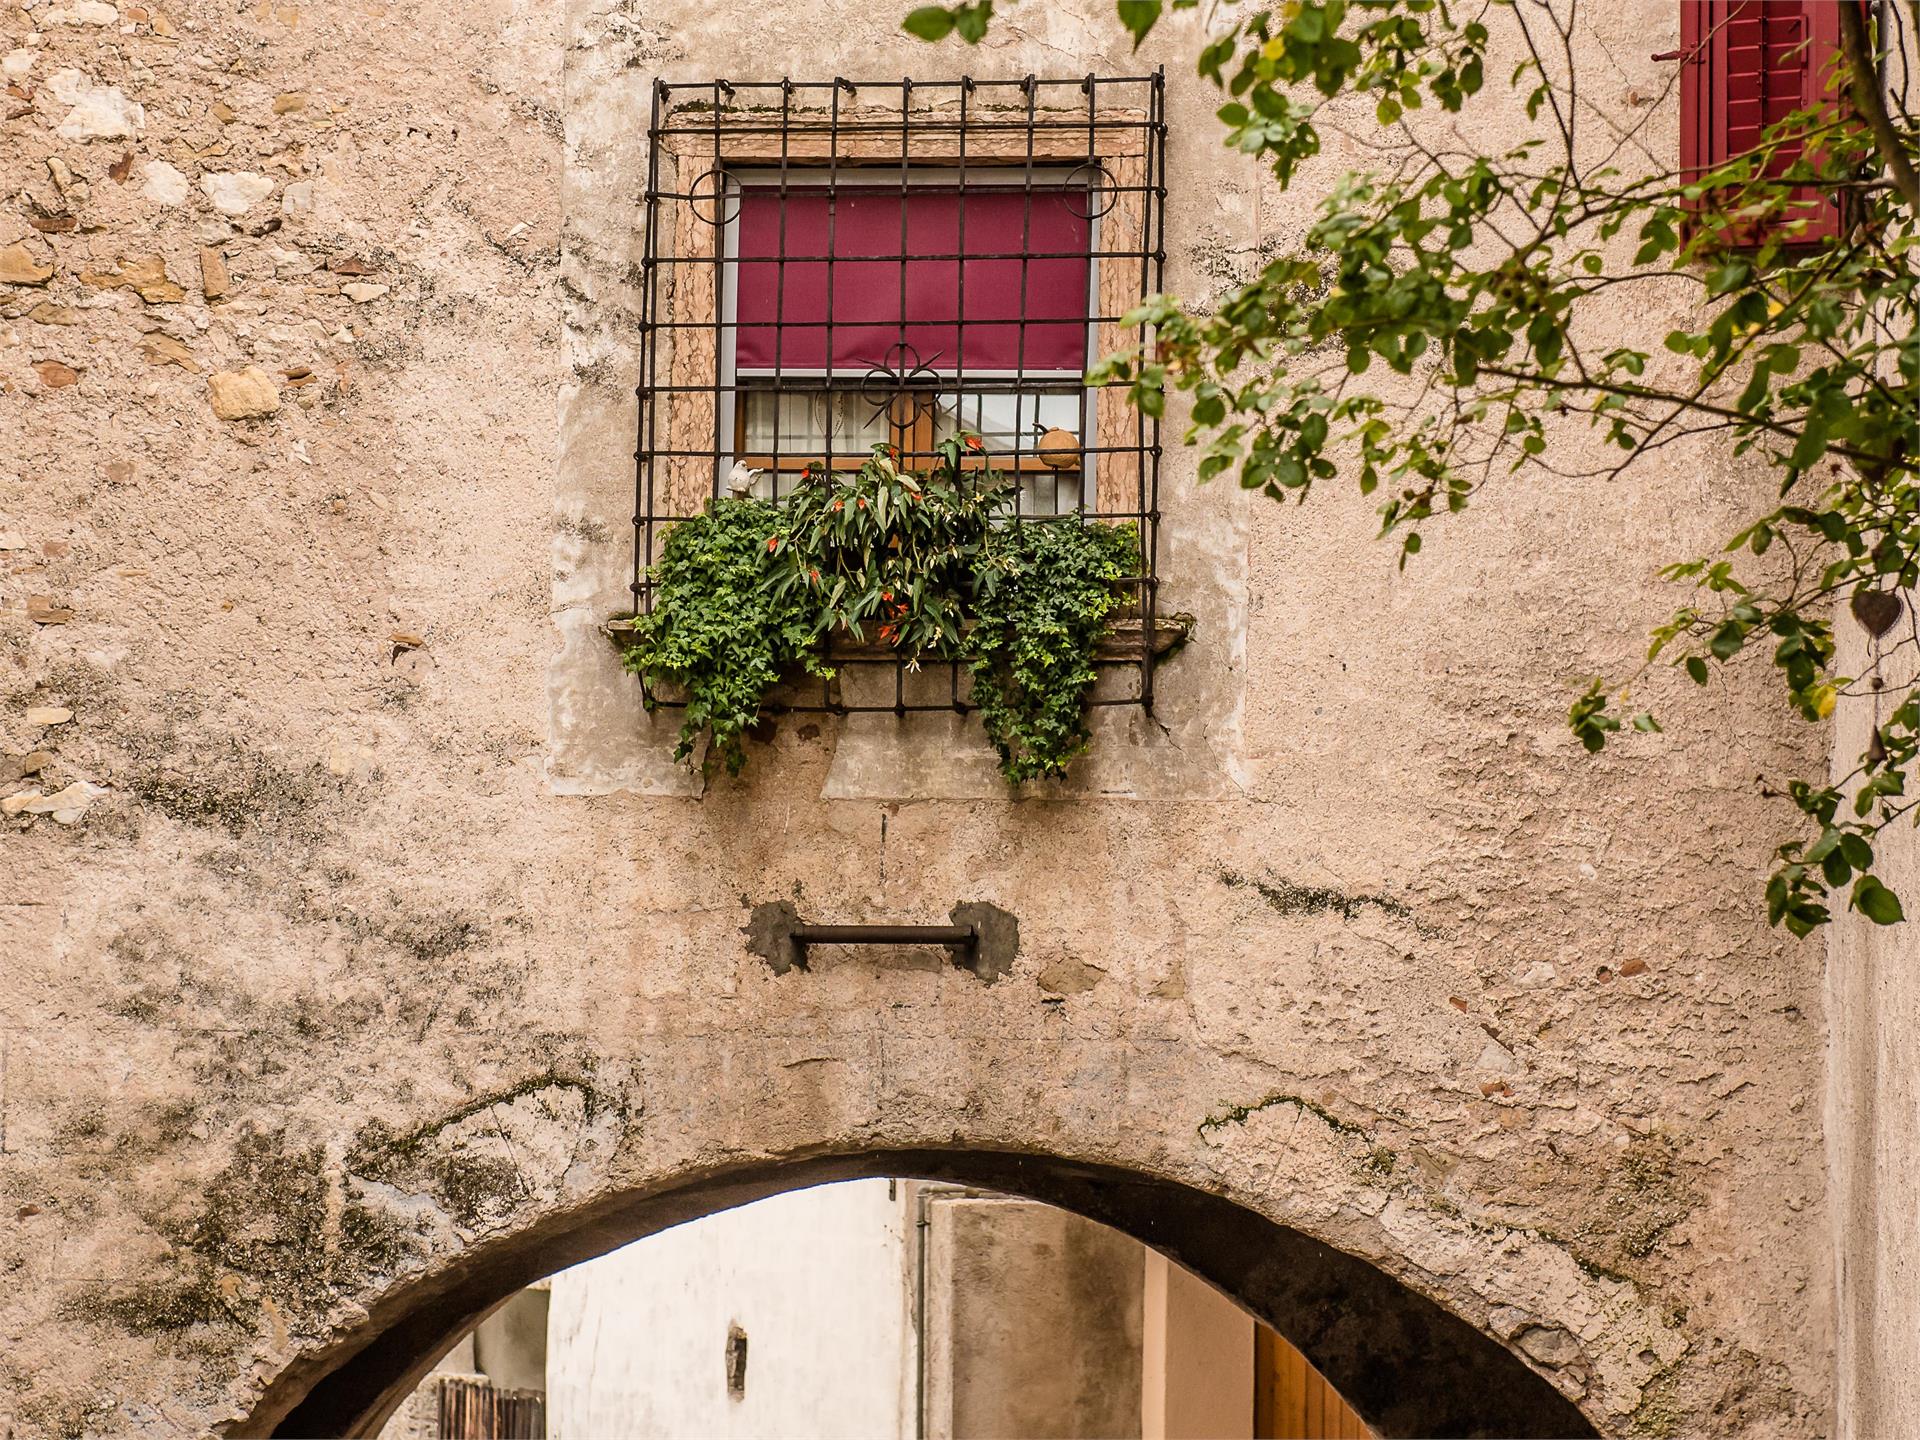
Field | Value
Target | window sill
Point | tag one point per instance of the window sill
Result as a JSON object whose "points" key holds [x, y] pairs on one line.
{"points": [[1125, 640]]}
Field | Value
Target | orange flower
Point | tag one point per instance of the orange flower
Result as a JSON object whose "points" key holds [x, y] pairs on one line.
{"points": [[972, 442], [839, 504], [863, 502], [886, 594], [773, 543]]}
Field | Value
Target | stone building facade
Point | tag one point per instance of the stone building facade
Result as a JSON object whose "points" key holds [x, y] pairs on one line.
{"points": [[367, 956]]}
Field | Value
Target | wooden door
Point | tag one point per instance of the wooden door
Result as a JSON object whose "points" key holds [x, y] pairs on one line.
{"points": [[1292, 1401]]}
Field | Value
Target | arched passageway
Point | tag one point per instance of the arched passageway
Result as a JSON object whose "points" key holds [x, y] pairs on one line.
{"points": [[1405, 1364]]}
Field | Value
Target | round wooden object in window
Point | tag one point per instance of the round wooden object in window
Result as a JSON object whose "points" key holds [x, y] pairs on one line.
{"points": [[1059, 450]]}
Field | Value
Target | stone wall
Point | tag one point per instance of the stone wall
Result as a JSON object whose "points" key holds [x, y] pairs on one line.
{"points": [[366, 926]]}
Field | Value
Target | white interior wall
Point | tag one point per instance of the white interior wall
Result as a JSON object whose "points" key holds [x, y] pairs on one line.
{"points": [[637, 1339]]}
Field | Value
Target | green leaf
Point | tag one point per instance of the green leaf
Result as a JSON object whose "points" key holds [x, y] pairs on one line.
{"points": [[936, 22], [1877, 902], [1812, 444], [1729, 276], [971, 21], [929, 22], [1589, 719], [1031, 650], [1139, 16]]}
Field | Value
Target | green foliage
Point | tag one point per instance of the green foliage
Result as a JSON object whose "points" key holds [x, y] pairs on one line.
{"points": [[1462, 313], [970, 21], [1589, 719], [936, 22], [750, 592], [1046, 595], [885, 550], [717, 630]]}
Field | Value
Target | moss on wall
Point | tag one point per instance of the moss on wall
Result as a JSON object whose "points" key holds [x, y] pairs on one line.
{"points": [[277, 1223]]}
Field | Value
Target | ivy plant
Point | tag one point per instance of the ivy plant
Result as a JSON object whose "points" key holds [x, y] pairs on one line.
{"points": [[928, 566], [1047, 593], [1461, 312], [717, 630]]}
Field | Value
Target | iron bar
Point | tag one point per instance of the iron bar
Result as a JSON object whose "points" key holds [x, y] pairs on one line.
{"points": [[948, 935]]}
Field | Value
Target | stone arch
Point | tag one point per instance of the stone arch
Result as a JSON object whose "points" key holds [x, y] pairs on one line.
{"points": [[1410, 1366]]}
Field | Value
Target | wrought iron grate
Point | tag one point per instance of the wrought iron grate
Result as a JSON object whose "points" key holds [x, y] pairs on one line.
{"points": [[833, 263]]}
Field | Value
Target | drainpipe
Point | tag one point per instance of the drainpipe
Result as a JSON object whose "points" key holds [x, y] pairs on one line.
{"points": [[920, 1200], [1885, 47]]}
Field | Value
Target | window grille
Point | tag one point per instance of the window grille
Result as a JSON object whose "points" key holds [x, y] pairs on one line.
{"points": [[832, 264]]}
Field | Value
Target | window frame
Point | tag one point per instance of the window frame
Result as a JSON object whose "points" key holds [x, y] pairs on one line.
{"points": [[916, 176]]}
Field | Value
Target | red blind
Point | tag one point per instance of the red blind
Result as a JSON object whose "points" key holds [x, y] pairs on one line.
{"points": [[1746, 65], [903, 271]]}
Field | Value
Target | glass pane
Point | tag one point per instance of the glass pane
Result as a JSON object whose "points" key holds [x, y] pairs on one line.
{"points": [[1004, 421], [858, 425], [796, 423], [1055, 492]]}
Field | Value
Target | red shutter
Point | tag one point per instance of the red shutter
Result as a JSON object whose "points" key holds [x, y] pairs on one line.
{"points": [[1696, 85], [1746, 64]]}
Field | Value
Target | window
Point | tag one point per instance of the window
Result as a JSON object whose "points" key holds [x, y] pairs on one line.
{"points": [[1745, 65], [899, 309], [833, 265]]}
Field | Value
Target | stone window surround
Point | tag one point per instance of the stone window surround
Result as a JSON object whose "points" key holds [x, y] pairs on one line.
{"points": [[603, 740]]}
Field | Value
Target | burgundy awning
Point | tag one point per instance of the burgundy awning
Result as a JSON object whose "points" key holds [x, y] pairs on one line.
{"points": [[870, 317]]}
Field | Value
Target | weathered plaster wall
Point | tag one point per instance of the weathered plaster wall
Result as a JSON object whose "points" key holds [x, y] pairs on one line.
{"points": [[389, 930], [1032, 1322], [1196, 1358]]}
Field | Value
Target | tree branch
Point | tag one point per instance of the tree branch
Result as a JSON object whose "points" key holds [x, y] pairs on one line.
{"points": [[1693, 402], [1872, 105]]}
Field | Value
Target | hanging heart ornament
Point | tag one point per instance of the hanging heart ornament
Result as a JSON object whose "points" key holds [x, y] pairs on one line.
{"points": [[1876, 610]]}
